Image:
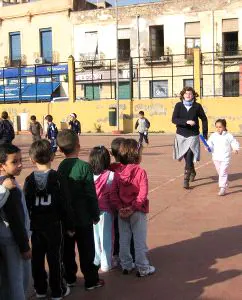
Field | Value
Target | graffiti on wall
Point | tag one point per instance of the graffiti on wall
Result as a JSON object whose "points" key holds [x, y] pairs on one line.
{"points": [[152, 109]]}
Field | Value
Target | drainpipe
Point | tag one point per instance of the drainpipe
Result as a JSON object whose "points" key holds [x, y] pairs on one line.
{"points": [[138, 48], [213, 80]]}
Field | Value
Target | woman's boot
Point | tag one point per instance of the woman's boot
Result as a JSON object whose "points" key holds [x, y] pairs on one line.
{"points": [[187, 175], [193, 175]]}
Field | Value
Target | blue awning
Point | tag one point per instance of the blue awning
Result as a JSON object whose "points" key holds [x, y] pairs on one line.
{"points": [[28, 92]]}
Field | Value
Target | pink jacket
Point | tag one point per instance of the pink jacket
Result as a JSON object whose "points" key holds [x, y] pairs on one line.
{"points": [[103, 188], [130, 188]]}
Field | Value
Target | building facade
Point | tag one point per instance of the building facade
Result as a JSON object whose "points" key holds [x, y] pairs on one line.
{"points": [[155, 44]]}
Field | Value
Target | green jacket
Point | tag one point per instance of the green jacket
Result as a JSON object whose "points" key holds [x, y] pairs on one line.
{"points": [[82, 190]]}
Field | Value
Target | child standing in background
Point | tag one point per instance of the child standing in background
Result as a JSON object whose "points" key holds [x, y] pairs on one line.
{"points": [[52, 132], [129, 195], [35, 128], [74, 124], [222, 143], [99, 160], [142, 124]]}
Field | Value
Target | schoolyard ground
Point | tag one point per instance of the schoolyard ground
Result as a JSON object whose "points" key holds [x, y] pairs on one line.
{"points": [[194, 236]]}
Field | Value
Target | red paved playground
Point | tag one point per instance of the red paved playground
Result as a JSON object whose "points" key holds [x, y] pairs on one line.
{"points": [[194, 236]]}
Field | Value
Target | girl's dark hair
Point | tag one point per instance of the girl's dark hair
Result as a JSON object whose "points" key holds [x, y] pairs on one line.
{"points": [[40, 152], [188, 88], [99, 159], [5, 150], [115, 145], [130, 152], [223, 122]]}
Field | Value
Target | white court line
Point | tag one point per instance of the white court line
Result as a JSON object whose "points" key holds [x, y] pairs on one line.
{"points": [[176, 177]]}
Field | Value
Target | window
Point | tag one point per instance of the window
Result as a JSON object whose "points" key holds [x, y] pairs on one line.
{"points": [[159, 89], [15, 48], [231, 84], [91, 44], [46, 44], [92, 91], [156, 41], [192, 38], [124, 49], [188, 82], [230, 37], [43, 79]]}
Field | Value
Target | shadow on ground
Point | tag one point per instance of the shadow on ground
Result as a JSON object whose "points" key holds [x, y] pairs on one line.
{"points": [[184, 270]]}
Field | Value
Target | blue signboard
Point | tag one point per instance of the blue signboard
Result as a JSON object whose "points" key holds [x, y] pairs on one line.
{"points": [[33, 71]]}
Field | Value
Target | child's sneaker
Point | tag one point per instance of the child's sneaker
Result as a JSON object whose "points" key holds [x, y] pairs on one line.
{"points": [[41, 296], [115, 261], [149, 271], [128, 271], [71, 284], [99, 284], [67, 292], [222, 192]]}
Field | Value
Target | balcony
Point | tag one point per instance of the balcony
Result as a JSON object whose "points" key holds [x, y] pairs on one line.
{"points": [[156, 56], [123, 55], [91, 60], [230, 51]]}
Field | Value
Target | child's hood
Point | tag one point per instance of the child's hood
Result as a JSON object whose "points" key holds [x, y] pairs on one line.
{"points": [[128, 173], [41, 179]]}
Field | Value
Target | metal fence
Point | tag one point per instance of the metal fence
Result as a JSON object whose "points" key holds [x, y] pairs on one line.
{"points": [[33, 83], [139, 77], [221, 74]]}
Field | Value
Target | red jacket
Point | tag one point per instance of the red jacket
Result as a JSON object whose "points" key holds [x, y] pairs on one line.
{"points": [[130, 188]]}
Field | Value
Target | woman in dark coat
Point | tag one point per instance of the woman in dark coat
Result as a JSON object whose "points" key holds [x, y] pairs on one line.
{"points": [[185, 115]]}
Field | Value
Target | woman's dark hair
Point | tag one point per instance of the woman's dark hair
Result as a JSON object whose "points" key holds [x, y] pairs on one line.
{"points": [[40, 151], [223, 122], [130, 152], [33, 118], [99, 159], [188, 88]]}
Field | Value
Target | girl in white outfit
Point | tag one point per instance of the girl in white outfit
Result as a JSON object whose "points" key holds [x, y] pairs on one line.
{"points": [[222, 143]]}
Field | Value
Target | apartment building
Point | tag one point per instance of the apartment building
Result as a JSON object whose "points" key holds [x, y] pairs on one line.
{"points": [[163, 35], [155, 45]]}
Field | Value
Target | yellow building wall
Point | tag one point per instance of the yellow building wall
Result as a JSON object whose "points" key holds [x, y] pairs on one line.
{"points": [[158, 111]]}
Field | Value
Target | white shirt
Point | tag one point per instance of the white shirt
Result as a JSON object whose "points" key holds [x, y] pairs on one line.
{"points": [[222, 145]]}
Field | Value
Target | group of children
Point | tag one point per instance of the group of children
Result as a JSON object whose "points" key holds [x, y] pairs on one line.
{"points": [[36, 129], [76, 205]]}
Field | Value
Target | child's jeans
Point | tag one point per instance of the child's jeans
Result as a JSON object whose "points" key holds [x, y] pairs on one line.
{"points": [[103, 236], [136, 224], [15, 273], [222, 169]]}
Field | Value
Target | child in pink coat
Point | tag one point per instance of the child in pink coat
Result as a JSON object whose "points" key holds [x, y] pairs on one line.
{"points": [[129, 195], [100, 162]]}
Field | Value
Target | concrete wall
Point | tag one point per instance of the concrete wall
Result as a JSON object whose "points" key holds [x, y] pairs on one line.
{"points": [[158, 111]]}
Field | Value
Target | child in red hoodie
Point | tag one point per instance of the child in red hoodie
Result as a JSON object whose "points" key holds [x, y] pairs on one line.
{"points": [[129, 195], [99, 160]]}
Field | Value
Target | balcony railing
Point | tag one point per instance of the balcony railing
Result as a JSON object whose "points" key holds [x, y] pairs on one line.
{"points": [[123, 55]]}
